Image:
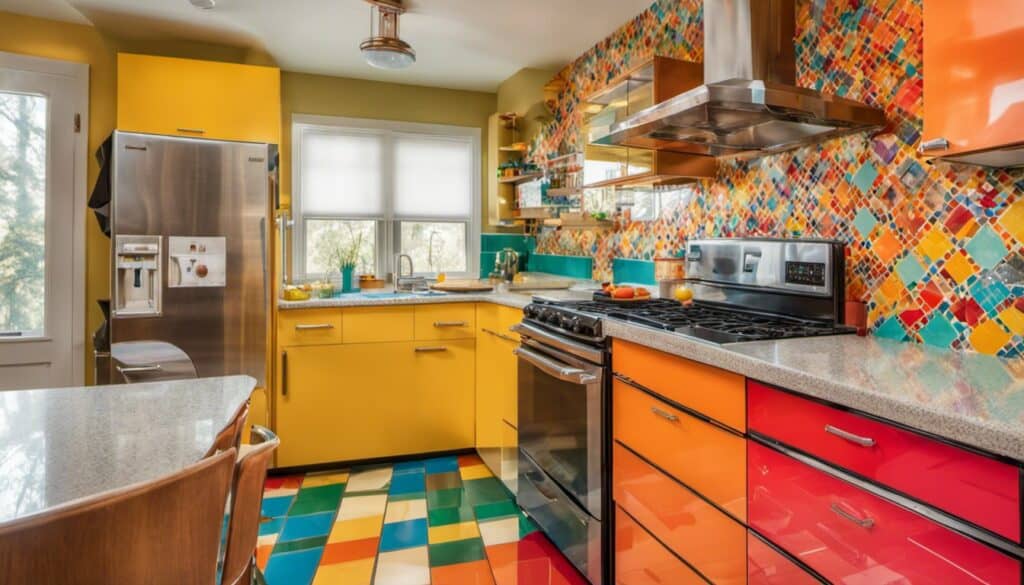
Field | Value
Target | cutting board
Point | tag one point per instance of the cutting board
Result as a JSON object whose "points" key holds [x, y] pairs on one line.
{"points": [[463, 286]]}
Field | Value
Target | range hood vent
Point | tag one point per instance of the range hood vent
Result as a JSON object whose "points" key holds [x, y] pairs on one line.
{"points": [[749, 104]]}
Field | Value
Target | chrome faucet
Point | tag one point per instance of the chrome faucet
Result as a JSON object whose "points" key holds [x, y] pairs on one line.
{"points": [[407, 282]]}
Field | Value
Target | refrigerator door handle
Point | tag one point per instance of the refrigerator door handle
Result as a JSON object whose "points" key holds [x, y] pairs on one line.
{"points": [[263, 254]]}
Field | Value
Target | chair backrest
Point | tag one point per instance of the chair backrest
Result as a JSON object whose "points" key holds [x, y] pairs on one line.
{"points": [[246, 502], [162, 531], [231, 435]]}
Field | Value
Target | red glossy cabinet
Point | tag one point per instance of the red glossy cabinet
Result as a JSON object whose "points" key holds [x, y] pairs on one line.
{"points": [[767, 566], [966, 484], [851, 536], [973, 75]]}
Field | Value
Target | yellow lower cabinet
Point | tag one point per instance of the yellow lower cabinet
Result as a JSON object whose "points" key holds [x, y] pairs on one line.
{"points": [[489, 401], [368, 400], [496, 389]]}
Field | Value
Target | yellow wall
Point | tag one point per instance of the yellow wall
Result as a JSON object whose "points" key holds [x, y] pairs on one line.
{"points": [[523, 93], [321, 95]]}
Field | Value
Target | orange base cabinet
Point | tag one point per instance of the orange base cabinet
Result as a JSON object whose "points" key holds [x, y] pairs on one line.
{"points": [[708, 539], [710, 391], [706, 458], [641, 560]]}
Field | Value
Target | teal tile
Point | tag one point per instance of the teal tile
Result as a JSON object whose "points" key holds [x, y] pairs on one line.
{"points": [[302, 527], [865, 177], [987, 248], [296, 568], [302, 544], [444, 516], [451, 498], [401, 535], [498, 242], [910, 270], [485, 491], [317, 499], [938, 332], [501, 509], [458, 551], [891, 329], [633, 271], [570, 266], [865, 223]]}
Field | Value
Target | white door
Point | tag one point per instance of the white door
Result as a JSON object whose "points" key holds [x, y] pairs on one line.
{"points": [[42, 209]]}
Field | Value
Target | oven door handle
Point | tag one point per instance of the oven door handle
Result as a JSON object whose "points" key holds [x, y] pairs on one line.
{"points": [[556, 369]]}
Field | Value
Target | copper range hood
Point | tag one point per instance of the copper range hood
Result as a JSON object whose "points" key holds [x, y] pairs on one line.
{"points": [[749, 104]]}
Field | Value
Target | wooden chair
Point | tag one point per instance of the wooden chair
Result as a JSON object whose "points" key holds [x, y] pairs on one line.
{"points": [[246, 503], [162, 531], [231, 435]]}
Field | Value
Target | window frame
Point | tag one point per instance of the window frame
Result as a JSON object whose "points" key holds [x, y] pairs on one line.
{"points": [[388, 225]]}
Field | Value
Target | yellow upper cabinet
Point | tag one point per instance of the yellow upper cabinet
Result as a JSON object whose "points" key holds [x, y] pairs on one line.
{"points": [[202, 99]]}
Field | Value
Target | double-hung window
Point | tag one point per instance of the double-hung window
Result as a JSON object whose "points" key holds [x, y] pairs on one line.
{"points": [[392, 188]]}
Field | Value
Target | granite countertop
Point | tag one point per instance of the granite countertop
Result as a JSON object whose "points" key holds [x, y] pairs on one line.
{"points": [[975, 399], [60, 445], [382, 299]]}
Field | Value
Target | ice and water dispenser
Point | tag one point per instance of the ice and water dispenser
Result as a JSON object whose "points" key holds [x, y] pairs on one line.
{"points": [[139, 276]]}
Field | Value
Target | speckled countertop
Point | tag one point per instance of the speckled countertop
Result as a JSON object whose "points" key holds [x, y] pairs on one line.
{"points": [[975, 399], [517, 300], [60, 445]]}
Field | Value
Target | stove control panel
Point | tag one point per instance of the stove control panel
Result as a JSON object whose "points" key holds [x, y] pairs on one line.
{"points": [[806, 273], [564, 319]]}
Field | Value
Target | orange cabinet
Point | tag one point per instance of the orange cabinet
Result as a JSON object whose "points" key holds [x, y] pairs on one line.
{"points": [[716, 393], [706, 458], [973, 80], [641, 560], [712, 542]]}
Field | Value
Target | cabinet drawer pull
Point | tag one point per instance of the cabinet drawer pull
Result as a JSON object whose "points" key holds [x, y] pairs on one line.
{"points": [[192, 130], [437, 349], [664, 414], [302, 327], [139, 369], [934, 144], [133, 147], [450, 324], [499, 335], [284, 373], [859, 440], [862, 522]]}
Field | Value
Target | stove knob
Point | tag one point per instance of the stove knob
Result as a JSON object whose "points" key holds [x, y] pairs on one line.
{"points": [[569, 323], [554, 318]]}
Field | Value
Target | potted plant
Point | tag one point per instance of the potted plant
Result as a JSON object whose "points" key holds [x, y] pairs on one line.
{"points": [[345, 255]]}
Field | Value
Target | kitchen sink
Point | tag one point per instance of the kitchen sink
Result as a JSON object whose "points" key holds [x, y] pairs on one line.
{"points": [[393, 295]]}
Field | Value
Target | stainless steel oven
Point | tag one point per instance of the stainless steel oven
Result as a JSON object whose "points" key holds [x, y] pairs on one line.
{"points": [[562, 397]]}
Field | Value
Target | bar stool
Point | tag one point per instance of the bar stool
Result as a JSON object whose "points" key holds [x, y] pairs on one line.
{"points": [[239, 566]]}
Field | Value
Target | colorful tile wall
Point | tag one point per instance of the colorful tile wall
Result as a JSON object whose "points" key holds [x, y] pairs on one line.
{"points": [[936, 251]]}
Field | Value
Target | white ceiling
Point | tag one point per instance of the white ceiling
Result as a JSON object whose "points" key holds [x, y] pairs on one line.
{"points": [[465, 44]]}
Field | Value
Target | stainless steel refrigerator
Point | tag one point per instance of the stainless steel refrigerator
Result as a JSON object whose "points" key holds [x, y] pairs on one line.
{"points": [[190, 281]]}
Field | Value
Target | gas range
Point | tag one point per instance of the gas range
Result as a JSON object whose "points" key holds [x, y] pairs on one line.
{"points": [[746, 290], [582, 319]]}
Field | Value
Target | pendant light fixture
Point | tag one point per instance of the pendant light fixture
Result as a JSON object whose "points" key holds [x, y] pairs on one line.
{"points": [[384, 49]]}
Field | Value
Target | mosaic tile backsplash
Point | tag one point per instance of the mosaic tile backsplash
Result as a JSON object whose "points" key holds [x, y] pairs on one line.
{"points": [[936, 251]]}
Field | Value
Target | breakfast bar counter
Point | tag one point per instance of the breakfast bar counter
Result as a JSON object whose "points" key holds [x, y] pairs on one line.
{"points": [[61, 445]]}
